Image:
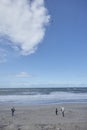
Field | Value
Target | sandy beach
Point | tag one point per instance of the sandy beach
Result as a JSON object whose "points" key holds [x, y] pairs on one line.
{"points": [[43, 117]]}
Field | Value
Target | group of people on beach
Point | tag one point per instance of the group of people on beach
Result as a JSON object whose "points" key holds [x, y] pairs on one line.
{"points": [[62, 110], [56, 111]]}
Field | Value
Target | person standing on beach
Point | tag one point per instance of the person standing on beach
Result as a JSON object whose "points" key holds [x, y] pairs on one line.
{"points": [[62, 110], [56, 111], [12, 110]]}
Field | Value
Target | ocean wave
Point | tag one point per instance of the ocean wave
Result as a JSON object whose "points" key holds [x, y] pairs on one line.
{"points": [[53, 97]]}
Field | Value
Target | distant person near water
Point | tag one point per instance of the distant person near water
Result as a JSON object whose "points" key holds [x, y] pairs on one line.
{"points": [[56, 111], [62, 110], [12, 110]]}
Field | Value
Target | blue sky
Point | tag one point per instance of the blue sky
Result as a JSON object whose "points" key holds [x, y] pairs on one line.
{"points": [[45, 48]]}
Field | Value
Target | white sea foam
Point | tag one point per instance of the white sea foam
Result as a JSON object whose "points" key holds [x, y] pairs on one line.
{"points": [[54, 97]]}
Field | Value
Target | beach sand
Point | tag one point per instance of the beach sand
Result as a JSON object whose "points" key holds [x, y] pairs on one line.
{"points": [[43, 117]]}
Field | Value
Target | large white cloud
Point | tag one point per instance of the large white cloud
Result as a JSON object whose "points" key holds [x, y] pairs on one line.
{"points": [[24, 22]]}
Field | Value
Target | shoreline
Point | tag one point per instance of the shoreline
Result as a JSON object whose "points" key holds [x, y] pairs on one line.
{"points": [[43, 117], [35, 105]]}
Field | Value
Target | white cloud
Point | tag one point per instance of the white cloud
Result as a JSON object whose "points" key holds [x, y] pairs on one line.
{"points": [[23, 75], [24, 22], [3, 55]]}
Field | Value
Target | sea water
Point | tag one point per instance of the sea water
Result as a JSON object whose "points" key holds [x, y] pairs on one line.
{"points": [[33, 96]]}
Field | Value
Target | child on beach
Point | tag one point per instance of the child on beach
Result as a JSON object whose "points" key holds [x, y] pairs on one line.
{"points": [[56, 111]]}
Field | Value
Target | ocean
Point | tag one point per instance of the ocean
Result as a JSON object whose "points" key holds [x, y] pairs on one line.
{"points": [[36, 96]]}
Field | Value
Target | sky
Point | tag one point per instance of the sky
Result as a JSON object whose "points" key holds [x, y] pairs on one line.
{"points": [[43, 43]]}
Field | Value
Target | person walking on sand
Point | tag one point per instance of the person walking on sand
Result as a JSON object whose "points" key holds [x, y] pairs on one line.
{"points": [[62, 110], [56, 111], [12, 110]]}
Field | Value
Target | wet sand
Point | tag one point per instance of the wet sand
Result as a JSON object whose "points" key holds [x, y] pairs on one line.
{"points": [[43, 117]]}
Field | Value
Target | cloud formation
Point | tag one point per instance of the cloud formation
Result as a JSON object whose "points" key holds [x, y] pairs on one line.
{"points": [[23, 75], [3, 55], [24, 23]]}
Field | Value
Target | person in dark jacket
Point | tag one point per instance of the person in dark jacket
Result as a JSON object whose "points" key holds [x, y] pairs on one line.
{"points": [[56, 111], [12, 110]]}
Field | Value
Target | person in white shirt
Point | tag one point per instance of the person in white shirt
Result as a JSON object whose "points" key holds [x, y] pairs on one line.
{"points": [[62, 110]]}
